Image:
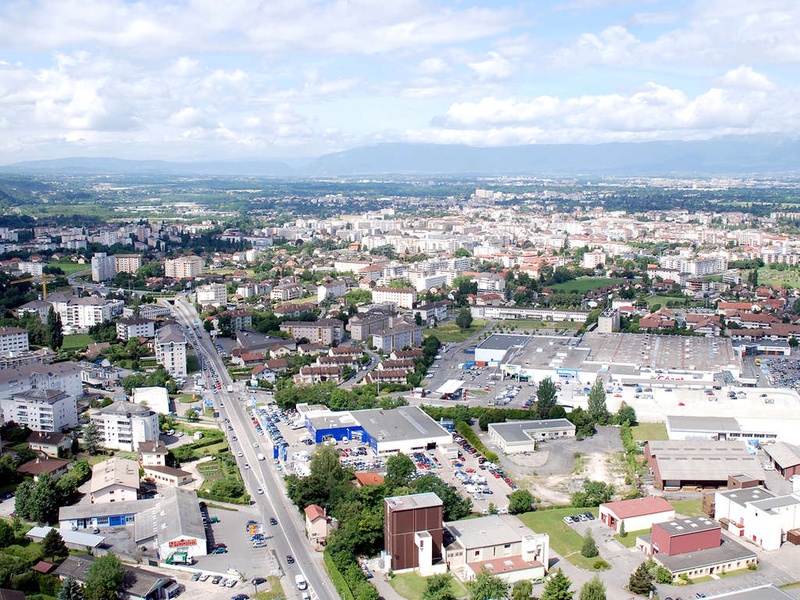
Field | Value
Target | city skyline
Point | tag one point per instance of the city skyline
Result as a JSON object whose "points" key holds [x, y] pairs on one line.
{"points": [[247, 80]]}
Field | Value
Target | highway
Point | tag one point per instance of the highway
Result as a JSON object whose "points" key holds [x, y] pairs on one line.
{"points": [[288, 536]]}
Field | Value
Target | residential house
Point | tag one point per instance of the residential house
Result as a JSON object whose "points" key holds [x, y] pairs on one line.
{"points": [[50, 443], [55, 467], [114, 480]]}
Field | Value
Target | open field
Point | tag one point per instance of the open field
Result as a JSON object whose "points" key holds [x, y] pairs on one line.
{"points": [[586, 284], [68, 266], [563, 538], [688, 508], [78, 341], [649, 431], [450, 333], [522, 325], [412, 586], [787, 278]]}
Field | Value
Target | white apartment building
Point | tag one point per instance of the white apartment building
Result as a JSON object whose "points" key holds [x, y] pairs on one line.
{"points": [[287, 291], [184, 267], [42, 410], [103, 267], [324, 331], [334, 289], [213, 294], [78, 314], [156, 398], [401, 297], [491, 283], [124, 425], [127, 263], [593, 259], [64, 376], [34, 269], [170, 345], [115, 480], [134, 327], [13, 340]]}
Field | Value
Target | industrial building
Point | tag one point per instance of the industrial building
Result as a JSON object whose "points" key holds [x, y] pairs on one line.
{"points": [[636, 514], [521, 436], [714, 428], [173, 524], [413, 532]]}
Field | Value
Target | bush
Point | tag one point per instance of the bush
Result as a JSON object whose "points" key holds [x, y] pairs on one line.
{"points": [[600, 565]]}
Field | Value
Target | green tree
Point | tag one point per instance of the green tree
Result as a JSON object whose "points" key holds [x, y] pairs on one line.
{"points": [[520, 501], [437, 587], [626, 414], [641, 581], [461, 253], [522, 590], [558, 588], [546, 396], [464, 319], [7, 536], [91, 437], [227, 487], [70, 590], [622, 532], [594, 493], [44, 500], [454, 507], [399, 469], [105, 577], [486, 586], [663, 574], [191, 415], [53, 545], [589, 548], [55, 330], [597, 403], [593, 590]]}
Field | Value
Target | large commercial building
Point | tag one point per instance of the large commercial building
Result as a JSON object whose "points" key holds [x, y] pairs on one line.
{"points": [[758, 515], [184, 267], [42, 410], [521, 436], [714, 428], [413, 530], [124, 425], [170, 346], [406, 429]]}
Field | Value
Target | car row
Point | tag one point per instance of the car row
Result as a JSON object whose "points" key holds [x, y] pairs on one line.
{"points": [[584, 516]]}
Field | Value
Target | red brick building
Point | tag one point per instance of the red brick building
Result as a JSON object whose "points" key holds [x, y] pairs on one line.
{"points": [[410, 521], [685, 535]]}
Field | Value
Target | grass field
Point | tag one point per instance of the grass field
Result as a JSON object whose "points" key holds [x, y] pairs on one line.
{"points": [[649, 431], [629, 541], [586, 284], [188, 398], [767, 276], [563, 538], [665, 300], [412, 586], [78, 341], [275, 591], [68, 266], [450, 333], [688, 508], [521, 325]]}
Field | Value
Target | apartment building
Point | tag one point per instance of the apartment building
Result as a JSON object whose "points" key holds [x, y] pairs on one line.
{"points": [[42, 410], [286, 291], [324, 331], [125, 425], [170, 346], [334, 289], [13, 340], [212, 294], [400, 297], [79, 314], [134, 327], [115, 480], [184, 267], [103, 267], [127, 263]]}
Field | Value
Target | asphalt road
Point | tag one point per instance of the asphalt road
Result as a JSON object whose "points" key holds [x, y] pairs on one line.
{"points": [[288, 537]]}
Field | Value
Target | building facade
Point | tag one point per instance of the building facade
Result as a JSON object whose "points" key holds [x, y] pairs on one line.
{"points": [[413, 531], [170, 346], [42, 410], [124, 425]]}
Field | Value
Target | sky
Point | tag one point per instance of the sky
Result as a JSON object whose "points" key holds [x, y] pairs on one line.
{"points": [[245, 79]]}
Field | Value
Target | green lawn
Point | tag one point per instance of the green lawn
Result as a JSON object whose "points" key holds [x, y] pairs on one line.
{"points": [[188, 398], [664, 300], [412, 586], [275, 591], [789, 277], [192, 364], [450, 333], [629, 541], [563, 538], [522, 325], [68, 266], [649, 431], [586, 284], [78, 341], [688, 508]]}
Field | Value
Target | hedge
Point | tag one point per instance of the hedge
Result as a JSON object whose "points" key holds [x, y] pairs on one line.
{"points": [[337, 578], [469, 434]]}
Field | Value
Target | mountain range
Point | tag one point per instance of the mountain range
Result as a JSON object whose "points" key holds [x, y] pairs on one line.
{"points": [[755, 156]]}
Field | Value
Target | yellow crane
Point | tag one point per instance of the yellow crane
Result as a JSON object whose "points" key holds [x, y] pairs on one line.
{"points": [[43, 278]]}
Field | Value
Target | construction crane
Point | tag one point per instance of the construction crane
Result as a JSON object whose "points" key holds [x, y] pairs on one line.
{"points": [[43, 278]]}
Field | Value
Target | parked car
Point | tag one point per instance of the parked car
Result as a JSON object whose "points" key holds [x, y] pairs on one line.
{"points": [[273, 521], [290, 559], [219, 551]]}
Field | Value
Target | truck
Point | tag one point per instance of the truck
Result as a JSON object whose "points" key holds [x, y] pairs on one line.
{"points": [[300, 581], [261, 456]]}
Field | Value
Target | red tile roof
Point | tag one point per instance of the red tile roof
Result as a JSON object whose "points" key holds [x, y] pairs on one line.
{"points": [[314, 512], [638, 507]]}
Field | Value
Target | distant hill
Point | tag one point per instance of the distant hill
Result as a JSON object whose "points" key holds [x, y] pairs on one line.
{"points": [[728, 156]]}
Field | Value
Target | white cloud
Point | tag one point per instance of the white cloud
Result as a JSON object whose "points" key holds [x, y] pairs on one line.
{"points": [[433, 66], [495, 68], [746, 78]]}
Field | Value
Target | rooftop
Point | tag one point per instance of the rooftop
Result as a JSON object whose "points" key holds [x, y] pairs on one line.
{"points": [[785, 455], [638, 507], [115, 471], [498, 341], [702, 424], [766, 591], [685, 526], [725, 553], [746, 495], [491, 530], [703, 460], [771, 504], [520, 431], [175, 514], [412, 501], [403, 423], [105, 509]]}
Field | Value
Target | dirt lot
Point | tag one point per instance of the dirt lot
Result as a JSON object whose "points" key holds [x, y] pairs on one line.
{"points": [[553, 473]]}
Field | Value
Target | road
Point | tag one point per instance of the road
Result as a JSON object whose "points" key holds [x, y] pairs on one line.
{"points": [[291, 539]]}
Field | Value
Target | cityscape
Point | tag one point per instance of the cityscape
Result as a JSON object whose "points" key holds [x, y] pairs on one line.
{"points": [[444, 300]]}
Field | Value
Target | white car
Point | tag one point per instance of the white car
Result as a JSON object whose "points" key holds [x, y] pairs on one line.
{"points": [[240, 454]]}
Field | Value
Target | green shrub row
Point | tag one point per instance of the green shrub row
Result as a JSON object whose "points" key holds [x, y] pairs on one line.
{"points": [[337, 578], [469, 434]]}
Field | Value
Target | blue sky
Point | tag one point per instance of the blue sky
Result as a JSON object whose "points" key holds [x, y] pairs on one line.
{"points": [[233, 79]]}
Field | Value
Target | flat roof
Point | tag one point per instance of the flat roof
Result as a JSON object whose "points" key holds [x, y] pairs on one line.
{"points": [[519, 431], [702, 424], [502, 341], [703, 460], [767, 591], [639, 507], [76, 538], [399, 424], [726, 552], [770, 504], [746, 495], [412, 501], [487, 531], [451, 386], [175, 514], [115, 471], [105, 509], [689, 525]]}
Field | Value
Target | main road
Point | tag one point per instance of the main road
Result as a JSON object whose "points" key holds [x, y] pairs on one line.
{"points": [[288, 537]]}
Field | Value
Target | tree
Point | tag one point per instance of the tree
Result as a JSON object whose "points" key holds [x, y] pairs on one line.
{"points": [[70, 590], [438, 587], [641, 581], [53, 545], [91, 437], [464, 319], [626, 414], [44, 500], [597, 403], [520, 501], [522, 590], [545, 398], [485, 586], [663, 574], [622, 532], [191, 415], [558, 588], [593, 590], [55, 330], [399, 469], [105, 576], [7, 536], [589, 549], [594, 493]]}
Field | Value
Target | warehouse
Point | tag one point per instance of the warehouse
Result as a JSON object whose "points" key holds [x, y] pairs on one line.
{"points": [[406, 429], [521, 436], [715, 428], [494, 349], [173, 524], [699, 464]]}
